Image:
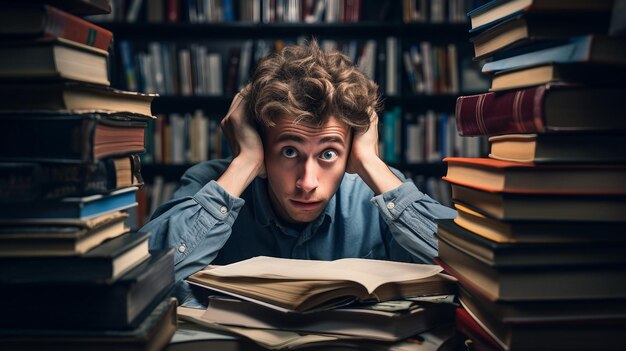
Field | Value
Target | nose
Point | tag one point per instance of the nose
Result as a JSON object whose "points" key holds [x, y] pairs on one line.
{"points": [[307, 181]]}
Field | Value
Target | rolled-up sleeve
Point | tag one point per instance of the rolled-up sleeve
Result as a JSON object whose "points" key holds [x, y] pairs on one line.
{"points": [[410, 216], [197, 226]]}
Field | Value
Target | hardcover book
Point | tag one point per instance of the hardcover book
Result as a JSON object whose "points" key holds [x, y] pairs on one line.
{"points": [[537, 206], [533, 283], [545, 108], [23, 239], [79, 7], [32, 181], [75, 97], [497, 10], [120, 305], [588, 49], [104, 263], [530, 254], [32, 21], [563, 335], [69, 138], [567, 73], [537, 231], [82, 208], [524, 29], [479, 339], [307, 285], [152, 334], [559, 148], [387, 321], [493, 175], [51, 60], [544, 311]]}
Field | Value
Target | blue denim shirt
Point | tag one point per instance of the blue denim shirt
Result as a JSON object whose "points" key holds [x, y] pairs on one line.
{"points": [[206, 225]]}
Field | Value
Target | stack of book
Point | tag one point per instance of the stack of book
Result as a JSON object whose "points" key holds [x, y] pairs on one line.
{"points": [[348, 301], [538, 246], [72, 275]]}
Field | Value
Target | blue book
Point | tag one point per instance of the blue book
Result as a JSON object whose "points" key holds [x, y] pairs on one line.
{"points": [[589, 48], [72, 207]]}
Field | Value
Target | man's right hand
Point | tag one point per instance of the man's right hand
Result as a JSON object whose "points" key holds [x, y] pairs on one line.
{"points": [[242, 136]]}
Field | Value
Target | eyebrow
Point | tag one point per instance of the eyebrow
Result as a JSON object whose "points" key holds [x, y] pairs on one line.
{"points": [[299, 139]]}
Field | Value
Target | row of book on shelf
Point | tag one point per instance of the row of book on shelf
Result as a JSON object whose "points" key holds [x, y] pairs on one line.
{"points": [[279, 11], [69, 173], [537, 245], [189, 69]]}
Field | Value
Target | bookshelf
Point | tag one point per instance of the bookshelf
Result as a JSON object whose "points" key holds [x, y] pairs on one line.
{"points": [[381, 23]]}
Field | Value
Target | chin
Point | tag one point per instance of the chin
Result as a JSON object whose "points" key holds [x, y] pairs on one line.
{"points": [[304, 217]]}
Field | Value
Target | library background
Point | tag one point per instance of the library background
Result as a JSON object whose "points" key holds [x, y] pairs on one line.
{"points": [[508, 111], [196, 57]]}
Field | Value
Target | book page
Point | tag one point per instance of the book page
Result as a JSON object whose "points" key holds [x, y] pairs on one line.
{"points": [[369, 273]]}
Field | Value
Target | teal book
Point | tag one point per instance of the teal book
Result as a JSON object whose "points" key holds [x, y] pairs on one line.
{"points": [[71, 207]]}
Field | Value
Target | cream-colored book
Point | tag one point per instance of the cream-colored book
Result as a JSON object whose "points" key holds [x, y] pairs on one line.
{"points": [[305, 285]]}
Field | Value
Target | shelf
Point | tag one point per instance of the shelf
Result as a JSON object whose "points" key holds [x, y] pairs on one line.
{"points": [[243, 30], [218, 105], [169, 172]]}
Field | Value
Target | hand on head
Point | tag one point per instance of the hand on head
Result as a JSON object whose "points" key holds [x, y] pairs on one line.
{"points": [[364, 145], [242, 136]]}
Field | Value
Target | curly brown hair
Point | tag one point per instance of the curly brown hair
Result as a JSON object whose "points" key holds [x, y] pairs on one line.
{"points": [[310, 85]]}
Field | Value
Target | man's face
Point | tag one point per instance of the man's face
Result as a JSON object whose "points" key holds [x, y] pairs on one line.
{"points": [[305, 165]]}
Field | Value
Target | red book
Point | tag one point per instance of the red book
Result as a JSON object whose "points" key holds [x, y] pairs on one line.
{"points": [[491, 175], [173, 11], [45, 21], [549, 107], [480, 339]]}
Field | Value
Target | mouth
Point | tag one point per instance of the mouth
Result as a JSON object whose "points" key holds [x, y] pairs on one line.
{"points": [[305, 205]]}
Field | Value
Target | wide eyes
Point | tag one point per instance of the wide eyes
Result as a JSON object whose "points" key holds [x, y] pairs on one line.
{"points": [[289, 152], [329, 155], [326, 155]]}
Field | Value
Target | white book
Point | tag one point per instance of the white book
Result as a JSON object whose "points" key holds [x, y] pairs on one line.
{"points": [[185, 73], [392, 67], [244, 63], [216, 87], [157, 66], [427, 67], [453, 66]]}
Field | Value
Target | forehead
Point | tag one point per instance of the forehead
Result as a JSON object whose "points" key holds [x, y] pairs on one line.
{"points": [[287, 129]]}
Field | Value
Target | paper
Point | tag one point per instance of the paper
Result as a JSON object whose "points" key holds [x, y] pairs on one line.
{"points": [[370, 273]]}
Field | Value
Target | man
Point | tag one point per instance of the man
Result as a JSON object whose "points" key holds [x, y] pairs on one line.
{"points": [[306, 119]]}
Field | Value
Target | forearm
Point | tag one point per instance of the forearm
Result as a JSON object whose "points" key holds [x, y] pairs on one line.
{"points": [[377, 175], [239, 174]]}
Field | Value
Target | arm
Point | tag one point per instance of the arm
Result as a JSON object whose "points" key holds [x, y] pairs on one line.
{"points": [[198, 221], [408, 213]]}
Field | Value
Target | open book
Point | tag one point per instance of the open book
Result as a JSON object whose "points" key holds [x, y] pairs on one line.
{"points": [[306, 285]]}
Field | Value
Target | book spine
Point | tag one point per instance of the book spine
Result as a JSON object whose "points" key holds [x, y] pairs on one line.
{"points": [[516, 111], [58, 139], [43, 181], [60, 24]]}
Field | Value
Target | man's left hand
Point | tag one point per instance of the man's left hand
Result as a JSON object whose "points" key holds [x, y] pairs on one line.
{"points": [[364, 146]]}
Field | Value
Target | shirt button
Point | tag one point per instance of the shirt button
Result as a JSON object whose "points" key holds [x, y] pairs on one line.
{"points": [[390, 205], [182, 248], [223, 209]]}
